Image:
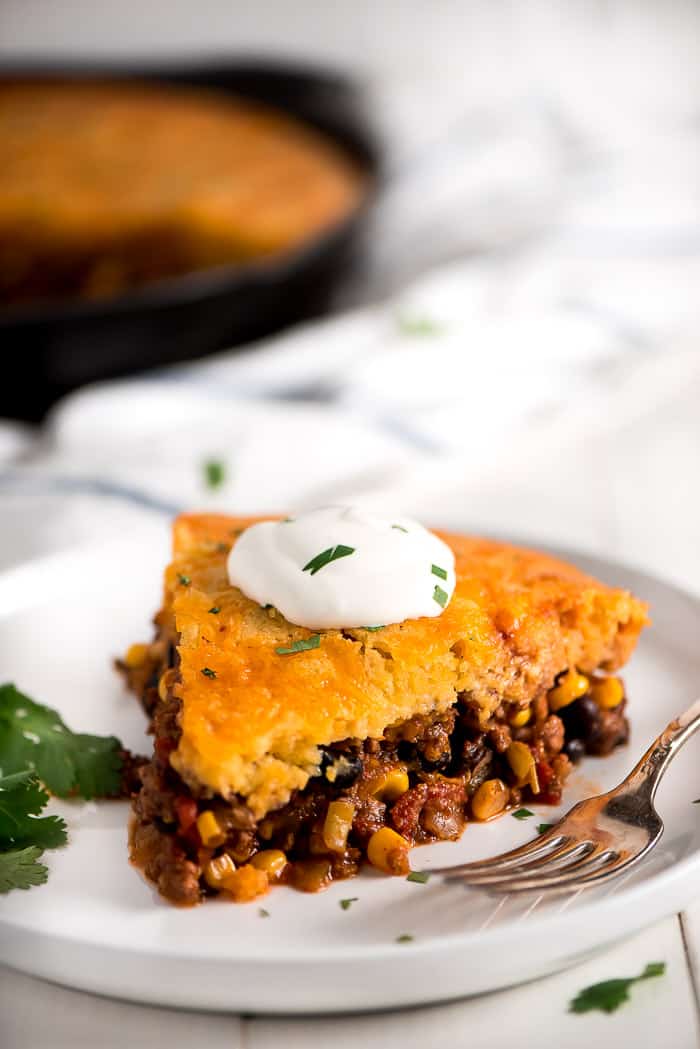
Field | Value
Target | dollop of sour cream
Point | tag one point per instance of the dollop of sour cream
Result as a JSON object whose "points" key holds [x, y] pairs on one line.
{"points": [[340, 566]]}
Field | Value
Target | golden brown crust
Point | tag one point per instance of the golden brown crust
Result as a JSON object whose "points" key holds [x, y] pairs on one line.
{"points": [[517, 618], [105, 186]]}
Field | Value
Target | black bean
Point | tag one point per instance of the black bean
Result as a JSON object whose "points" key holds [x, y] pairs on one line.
{"points": [[346, 768], [575, 749]]}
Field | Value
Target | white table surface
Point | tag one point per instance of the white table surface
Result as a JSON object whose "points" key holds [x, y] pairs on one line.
{"points": [[596, 72]]}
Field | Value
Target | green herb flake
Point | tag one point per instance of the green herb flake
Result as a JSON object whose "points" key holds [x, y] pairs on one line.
{"points": [[419, 877], [439, 572], [184, 580], [345, 905], [34, 737], [400, 528], [372, 629], [214, 473], [304, 645], [262, 913], [417, 325], [405, 937], [522, 814], [609, 995], [440, 596], [208, 672], [333, 553], [214, 610], [542, 828]]}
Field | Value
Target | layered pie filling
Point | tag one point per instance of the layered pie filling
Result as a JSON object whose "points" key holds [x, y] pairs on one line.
{"points": [[364, 800], [295, 752]]}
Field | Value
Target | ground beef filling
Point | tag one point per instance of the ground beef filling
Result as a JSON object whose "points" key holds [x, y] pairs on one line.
{"points": [[372, 800]]}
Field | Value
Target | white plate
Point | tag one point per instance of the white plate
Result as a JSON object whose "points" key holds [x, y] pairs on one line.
{"points": [[98, 926]]}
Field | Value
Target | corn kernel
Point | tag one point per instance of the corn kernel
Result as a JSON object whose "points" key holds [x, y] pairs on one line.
{"points": [[522, 761], [608, 692], [210, 830], [217, 870], [490, 799], [571, 687], [391, 785], [136, 656], [246, 883], [271, 861], [520, 718], [388, 851], [337, 825]]}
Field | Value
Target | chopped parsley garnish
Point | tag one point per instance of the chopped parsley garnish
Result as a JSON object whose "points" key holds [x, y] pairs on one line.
{"points": [[345, 905], [440, 596], [34, 738], [263, 913], [405, 937], [522, 814], [184, 579], [303, 645], [439, 572], [417, 325], [611, 994], [400, 528], [372, 629], [214, 610], [333, 553], [214, 473], [542, 828], [420, 877], [208, 672]]}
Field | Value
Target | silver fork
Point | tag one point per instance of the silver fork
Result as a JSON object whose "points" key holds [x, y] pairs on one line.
{"points": [[598, 839]]}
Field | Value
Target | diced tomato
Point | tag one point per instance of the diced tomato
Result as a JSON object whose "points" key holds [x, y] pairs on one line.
{"points": [[186, 811], [545, 775]]}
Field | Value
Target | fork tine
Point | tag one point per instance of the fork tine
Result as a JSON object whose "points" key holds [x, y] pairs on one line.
{"points": [[531, 849], [567, 856], [596, 868]]}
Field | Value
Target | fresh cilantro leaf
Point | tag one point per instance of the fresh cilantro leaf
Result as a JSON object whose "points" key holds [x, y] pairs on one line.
{"points": [[611, 994], [420, 877], [333, 553], [21, 800], [372, 629], [184, 580], [214, 473], [303, 645], [19, 869], [522, 814], [214, 610], [34, 737], [405, 937], [542, 828], [262, 913], [347, 904], [208, 672]]}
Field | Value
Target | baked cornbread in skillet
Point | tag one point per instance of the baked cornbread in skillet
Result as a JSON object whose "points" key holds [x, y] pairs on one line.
{"points": [[106, 185], [372, 739]]}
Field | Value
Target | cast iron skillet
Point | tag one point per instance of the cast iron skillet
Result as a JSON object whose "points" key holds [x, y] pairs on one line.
{"points": [[51, 348]]}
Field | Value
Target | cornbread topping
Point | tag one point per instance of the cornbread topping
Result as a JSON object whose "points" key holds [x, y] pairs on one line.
{"points": [[339, 567]]}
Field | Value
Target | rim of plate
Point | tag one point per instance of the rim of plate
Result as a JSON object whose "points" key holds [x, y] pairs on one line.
{"points": [[664, 881]]}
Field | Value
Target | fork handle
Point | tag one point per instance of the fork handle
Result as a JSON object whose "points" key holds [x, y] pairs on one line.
{"points": [[647, 773]]}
